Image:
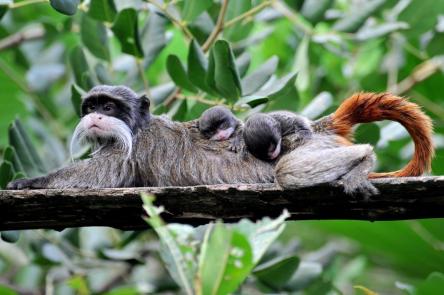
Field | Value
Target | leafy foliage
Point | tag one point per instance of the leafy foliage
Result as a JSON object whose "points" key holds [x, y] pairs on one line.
{"points": [[250, 55]]}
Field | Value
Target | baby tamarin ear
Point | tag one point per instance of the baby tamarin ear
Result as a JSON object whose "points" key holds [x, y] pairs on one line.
{"points": [[263, 132], [218, 123]]}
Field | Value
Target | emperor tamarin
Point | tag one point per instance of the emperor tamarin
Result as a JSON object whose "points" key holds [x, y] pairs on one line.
{"points": [[134, 148]]}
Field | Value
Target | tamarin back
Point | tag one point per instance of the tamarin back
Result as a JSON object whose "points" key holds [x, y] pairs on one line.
{"points": [[368, 107]]}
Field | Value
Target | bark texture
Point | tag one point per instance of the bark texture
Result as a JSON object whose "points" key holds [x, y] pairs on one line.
{"points": [[399, 198]]}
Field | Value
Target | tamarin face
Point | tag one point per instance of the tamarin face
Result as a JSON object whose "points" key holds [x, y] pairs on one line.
{"points": [[262, 136], [217, 123], [111, 114]]}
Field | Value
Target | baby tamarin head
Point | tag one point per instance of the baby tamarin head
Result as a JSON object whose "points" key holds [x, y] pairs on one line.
{"points": [[218, 123], [262, 136]]}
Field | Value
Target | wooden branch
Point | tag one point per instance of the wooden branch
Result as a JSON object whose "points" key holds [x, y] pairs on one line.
{"points": [[16, 39], [401, 198]]}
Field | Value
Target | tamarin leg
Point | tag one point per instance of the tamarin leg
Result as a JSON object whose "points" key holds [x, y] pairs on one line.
{"points": [[308, 166]]}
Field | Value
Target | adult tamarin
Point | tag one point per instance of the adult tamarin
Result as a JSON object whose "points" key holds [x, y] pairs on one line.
{"points": [[338, 155], [167, 153], [263, 132]]}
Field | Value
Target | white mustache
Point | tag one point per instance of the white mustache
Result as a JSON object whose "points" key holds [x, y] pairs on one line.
{"points": [[110, 128]]}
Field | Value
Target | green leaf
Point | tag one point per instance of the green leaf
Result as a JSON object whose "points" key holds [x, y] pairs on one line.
{"points": [[239, 30], [161, 92], [367, 133], [3, 10], [380, 30], [11, 156], [179, 110], [197, 67], [10, 236], [223, 68], [262, 233], [434, 47], [26, 152], [357, 15], [53, 253], [79, 284], [306, 273], [302, 65], [19, 175], [4, 290], [225, 261], [68, 7], [102, 74], [6, 173], [153, 38], [421, 17], [102, 10], [76, 99], [94, 36], [254, 81], [243, 63], [277, 272], [284, 88], [432, 285], [314, 10], [126, 30], [80, 68], [201, 27], [178, 74], [171, 253], [318, 105], [193, 8]]}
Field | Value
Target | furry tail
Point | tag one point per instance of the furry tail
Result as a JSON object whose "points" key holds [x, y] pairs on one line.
{"points": [[370, 107]]}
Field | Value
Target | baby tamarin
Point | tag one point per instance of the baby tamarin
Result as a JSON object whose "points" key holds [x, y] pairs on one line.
{"points": [[263, 132], [219, 123]]}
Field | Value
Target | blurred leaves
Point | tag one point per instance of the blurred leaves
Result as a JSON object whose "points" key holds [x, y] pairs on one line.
{"points": [[178, 73], [222, 71], [125, 27], [335, 47], [357, 15], [68, 7], [227, 253], [93, 34], [193, 8], [102, 10]]}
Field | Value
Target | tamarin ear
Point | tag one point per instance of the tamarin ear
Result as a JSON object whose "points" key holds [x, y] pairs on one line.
{"points": [[144, 103]]}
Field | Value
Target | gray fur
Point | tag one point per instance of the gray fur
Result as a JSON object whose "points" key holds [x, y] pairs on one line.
{"points": [[167, 153]]}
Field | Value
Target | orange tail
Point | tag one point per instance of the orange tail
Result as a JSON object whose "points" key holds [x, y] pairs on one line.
{"points": [[370, 107]]}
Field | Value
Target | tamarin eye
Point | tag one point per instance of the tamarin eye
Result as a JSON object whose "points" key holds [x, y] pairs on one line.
{"points": [[108, 107], [90, 108]]}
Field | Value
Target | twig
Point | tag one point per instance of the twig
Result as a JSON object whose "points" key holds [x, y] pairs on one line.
{"points": [[420, 73], [218, 28], [20, 37], [25, 3], [201, 99], [142, 76], [172, 97], [247, 14], [428, 104], [175, 21], [294, 17], [57, 128]]}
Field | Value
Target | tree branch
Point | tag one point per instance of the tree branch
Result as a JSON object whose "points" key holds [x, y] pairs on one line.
{"points": [[218, 28], [20, 37], [400, 198]]}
